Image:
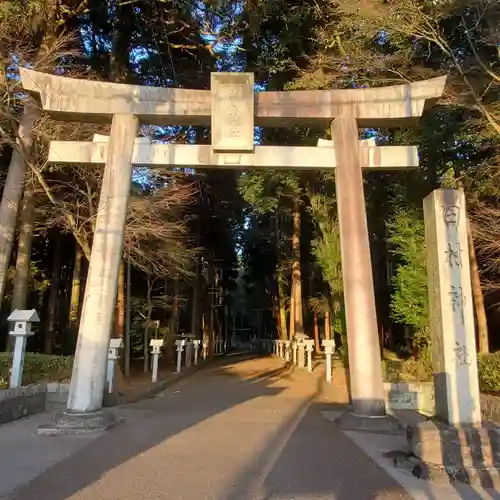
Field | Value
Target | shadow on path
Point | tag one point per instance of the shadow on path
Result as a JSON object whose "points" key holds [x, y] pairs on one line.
{"points": [[152, 421], [310, 458], [245, 428]]}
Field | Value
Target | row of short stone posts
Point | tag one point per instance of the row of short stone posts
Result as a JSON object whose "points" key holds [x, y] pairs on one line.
{"points": [[192, 348], [220, 346], [23, 319], [296, 351]]}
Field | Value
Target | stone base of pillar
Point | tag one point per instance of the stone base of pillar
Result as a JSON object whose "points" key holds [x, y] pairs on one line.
{"points": [[469, 454], [375, 425], [69, 422]]}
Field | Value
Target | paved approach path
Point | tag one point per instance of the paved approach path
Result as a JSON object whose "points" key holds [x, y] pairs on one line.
{"points": [[245, 428]]}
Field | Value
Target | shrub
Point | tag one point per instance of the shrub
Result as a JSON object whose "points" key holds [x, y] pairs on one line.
{"points": [[37, 367], [408, 370], [409, 300], [489, 372], [420, 370]]}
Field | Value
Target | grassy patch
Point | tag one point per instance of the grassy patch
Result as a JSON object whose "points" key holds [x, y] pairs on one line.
{"points": [[420, 370], [37, 368], [489, 372]]}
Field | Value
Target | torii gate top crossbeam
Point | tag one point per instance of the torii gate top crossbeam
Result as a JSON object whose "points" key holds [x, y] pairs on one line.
{"points": [[94, 101]]}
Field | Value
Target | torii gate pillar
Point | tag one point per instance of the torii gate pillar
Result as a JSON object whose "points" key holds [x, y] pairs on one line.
{"points": [[365, 363], [84, 408]]}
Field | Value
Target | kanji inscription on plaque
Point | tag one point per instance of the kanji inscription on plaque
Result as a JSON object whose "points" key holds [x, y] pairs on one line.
{"points": [[232, 112]]}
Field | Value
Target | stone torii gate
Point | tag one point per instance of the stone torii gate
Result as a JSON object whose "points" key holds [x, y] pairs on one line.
{"points": [[232, 109]]}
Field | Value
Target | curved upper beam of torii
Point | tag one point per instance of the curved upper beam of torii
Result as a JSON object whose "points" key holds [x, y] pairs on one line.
{"points": [[95, 101]]}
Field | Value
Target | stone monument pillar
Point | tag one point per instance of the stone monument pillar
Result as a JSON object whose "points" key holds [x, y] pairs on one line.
{"points": [[451, 312], [456, 443]]}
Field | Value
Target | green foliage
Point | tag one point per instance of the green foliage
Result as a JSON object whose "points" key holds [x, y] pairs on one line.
{"points": [[37, 368], [38, 280], [489, 372], [409, 302], [264, 190], [408, 370], [420, 370], [326, 250], [138, 330], [326, 246]]}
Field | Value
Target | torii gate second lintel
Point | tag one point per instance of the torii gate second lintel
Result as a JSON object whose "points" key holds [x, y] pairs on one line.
{"points": [[203, 156], [234, 110]]}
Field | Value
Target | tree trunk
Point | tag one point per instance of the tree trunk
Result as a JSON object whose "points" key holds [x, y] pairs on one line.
{"points": [[174, 316], [204, 329], [211, 303], [21, 279], [195, 310], [280, 283], [118, 331], [13, 191], [276, 313], [477, 293], [14, 184], [53, 297], [291, 329], [226, 322], [282, 306], [120, 303], [316, 333], [148, 320], [328, 326], [296, 272], [128, 312], [75, 289]]}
